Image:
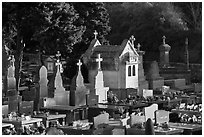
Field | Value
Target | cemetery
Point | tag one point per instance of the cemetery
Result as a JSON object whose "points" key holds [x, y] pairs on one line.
{"points": [[122, 95]]}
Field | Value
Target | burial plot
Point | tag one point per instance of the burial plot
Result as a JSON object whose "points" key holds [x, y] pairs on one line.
{"points": [[155, 81], [149, 111], [161, 116], [78, 89], [101, 119]]}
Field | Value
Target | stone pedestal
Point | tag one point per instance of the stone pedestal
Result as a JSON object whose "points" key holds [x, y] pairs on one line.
{"points": [[143, 84], [154, 79], [99, 88], [61, 96]]}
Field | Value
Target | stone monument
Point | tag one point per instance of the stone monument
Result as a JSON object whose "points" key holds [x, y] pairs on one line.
{"points": [[99, 88], [143, 84], [11, 80], [61, 96], [43, 82], [164, 53], [153, 77], [78, 89]]}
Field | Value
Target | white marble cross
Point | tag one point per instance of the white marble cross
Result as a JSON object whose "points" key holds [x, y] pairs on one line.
{"points": [[164, 38], [132, 39], [95, 34], [79, 64], [99, 60]]}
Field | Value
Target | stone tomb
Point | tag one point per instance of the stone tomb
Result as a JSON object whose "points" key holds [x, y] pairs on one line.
{"points": [[61, 96], [147, 93], [161, 116], [78, 89], [101, 119], [153, 77], [150, 111], [175, 83]]}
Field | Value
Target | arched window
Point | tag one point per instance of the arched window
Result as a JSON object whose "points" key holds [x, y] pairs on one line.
{"points": [[133, 70], [129, 71]]}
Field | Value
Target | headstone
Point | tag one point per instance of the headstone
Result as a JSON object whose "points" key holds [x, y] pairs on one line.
{"points": [[78, 89], [43, 82], [61, 96], [48, 102], [161, 116], [99, 88], [149, 111], [153, 77], [135, 119], [101, 119], [26, 107], [11, 80], [147, 93], [164, 53], [143, 84], [91, 99]]}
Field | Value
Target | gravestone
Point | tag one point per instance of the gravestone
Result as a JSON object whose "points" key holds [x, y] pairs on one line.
{"points": [[11, 80], [135, 119], [153, 77], [99, 88], [46, 102], [147, 93], [101, 119], [150, 111], [143, 83], [61, 96], [43, 82], [161, 116], [78, 89]]}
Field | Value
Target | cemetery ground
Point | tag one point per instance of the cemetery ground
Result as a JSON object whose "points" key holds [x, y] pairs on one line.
{"points": [[121, 97]]}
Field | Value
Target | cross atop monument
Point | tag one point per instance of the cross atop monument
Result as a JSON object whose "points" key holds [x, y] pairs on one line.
{"points": [[79, 64], [99, 60], [58, 55], [164, 38], [12, 60], [132, 40], [95, 34], [138, 46]]}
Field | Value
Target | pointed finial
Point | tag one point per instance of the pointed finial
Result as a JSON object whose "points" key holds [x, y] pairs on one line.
{"points": [[95, 34], [186, 41], [164, 38], [138, 46], [132, 40]]}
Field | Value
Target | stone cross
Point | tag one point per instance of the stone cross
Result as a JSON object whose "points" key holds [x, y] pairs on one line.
{"points": [[164, 38], [95, 34], [58, 55], [138, 46], [79, 64], [132, 39], [99, 60]]}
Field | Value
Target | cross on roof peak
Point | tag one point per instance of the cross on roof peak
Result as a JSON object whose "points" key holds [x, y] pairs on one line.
{"points": [[95, 34], [164, 38], [132, 39], [99, 60], [79, 64]]}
